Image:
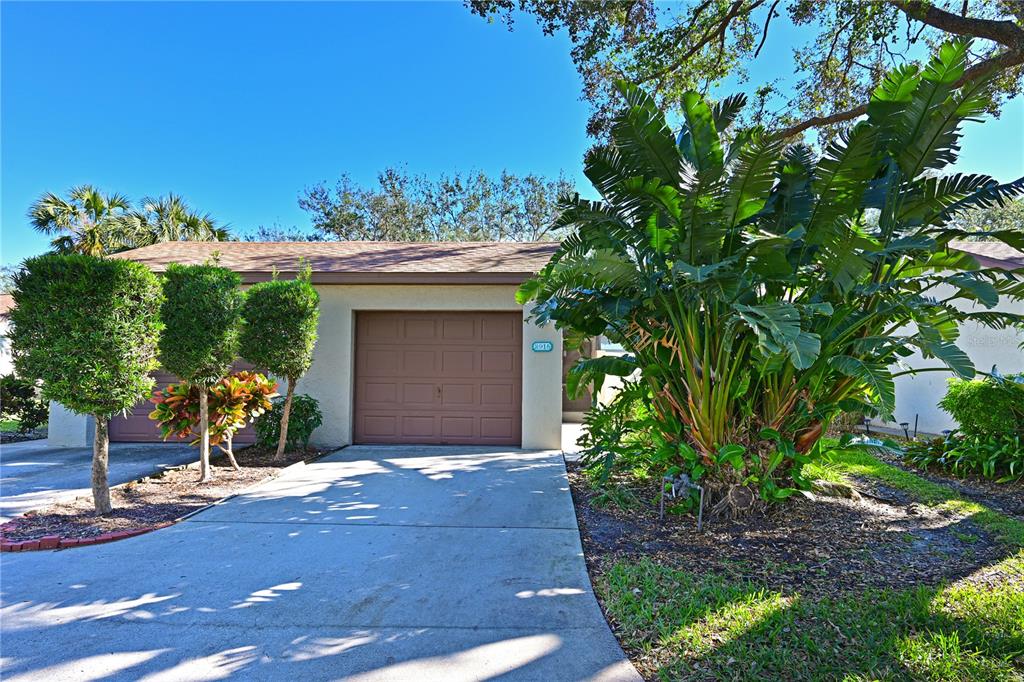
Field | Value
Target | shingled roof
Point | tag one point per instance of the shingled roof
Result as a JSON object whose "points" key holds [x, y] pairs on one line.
{"points": [[361, 262], [992, 254]]}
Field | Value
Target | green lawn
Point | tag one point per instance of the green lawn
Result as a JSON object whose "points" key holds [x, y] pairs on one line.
{"points": [[9, 424], [690, 625]]}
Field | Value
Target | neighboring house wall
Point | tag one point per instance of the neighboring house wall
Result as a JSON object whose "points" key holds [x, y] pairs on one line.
{"points": [[6, 363], [329, 380], [918, 395]]}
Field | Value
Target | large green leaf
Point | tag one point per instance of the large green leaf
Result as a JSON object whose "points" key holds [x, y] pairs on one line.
{"points": [[950, 354], [777, 327], [698, 141], [874, 375], [592, 371], [643, 139], [752, 179]]}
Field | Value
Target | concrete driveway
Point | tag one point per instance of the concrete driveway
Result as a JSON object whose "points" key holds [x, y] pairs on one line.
{"points": [[33, 475], [376, 563]]}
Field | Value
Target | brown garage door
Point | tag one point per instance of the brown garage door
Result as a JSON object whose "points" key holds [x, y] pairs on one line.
{"points": [[137, 427], [438, 377]]}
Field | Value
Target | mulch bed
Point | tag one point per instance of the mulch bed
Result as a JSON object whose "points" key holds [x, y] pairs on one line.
{"points": [[828, 546], [1007, 498], [157, 499]]}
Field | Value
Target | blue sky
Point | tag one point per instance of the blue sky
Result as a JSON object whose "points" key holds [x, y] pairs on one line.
{"points": [[238, 106]]}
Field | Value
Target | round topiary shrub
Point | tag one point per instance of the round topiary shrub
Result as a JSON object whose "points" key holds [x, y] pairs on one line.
{"points": [[87, 328], [305, 418]]}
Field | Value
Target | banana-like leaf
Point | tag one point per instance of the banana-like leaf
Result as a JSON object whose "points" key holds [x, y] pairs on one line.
{"points": [[752, 179], [949, 353], [874, 375], [974, 287], [698, 141], [777, 327], [592, 371], [644, 141]]}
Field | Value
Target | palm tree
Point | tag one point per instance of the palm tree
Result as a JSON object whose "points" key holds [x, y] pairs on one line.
{"points": [[169, 219], [86, 222]]}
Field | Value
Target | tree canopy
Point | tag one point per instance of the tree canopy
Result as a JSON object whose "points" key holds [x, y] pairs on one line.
{"points": [[202, 316], [404, 207], [671, 48], [87, 328]]}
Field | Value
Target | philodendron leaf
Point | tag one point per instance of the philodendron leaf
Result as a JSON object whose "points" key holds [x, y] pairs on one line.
{"points": [[874, 374]]}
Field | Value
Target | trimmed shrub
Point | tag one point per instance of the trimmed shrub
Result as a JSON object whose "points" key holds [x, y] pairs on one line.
{"points": [[989, 406], [304, 420], [202, 316], [19, 399], [280, 333], [87, 328]]}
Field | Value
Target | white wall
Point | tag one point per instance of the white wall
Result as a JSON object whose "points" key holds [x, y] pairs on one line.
{"points": [[329, 379], [6, 363], [919, 394]]}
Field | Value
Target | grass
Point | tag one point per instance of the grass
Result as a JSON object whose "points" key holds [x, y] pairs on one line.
{"points": [[9, 425], [683, 625]]}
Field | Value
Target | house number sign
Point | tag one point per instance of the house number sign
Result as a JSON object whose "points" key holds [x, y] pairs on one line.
{"points": [[542, 346]]}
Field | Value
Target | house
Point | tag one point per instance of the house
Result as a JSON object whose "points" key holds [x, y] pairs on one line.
{"points": [[418, 342], [6, 362]]}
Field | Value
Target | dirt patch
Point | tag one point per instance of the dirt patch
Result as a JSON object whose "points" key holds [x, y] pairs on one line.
{"points": [[827, 546], [161, 498]]}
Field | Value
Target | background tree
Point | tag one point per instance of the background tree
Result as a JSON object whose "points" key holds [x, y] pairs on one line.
{"points": [[202, 316], [87, 328], [280, 333], [992, 219], [470, 207], [169, 219], [672, 48], [88, 221]]}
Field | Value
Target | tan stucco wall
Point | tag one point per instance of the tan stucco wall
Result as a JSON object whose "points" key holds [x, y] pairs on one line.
{"points": [[329, 380]]}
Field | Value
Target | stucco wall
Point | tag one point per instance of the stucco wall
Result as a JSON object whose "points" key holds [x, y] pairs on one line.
{"points": [[919, 394], [67, 429], [329, 380]]}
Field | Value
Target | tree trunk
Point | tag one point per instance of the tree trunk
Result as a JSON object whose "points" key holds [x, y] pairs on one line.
{"points": [[283, 439], [100, 459], [204, 436], [230, 452]]}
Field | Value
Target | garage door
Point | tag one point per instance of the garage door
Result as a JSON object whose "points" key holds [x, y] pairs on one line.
{"points": [[137, 427], [438, 377]]}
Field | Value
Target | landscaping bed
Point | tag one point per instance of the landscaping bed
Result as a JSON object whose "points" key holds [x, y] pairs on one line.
{"points": [[914, 586], [155, 500]]}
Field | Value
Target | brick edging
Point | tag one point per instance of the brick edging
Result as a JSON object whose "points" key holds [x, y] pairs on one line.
{"points": [[58, 542]]}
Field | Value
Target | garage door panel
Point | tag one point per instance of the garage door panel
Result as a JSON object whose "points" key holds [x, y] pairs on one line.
{"points": [[459, 379]]}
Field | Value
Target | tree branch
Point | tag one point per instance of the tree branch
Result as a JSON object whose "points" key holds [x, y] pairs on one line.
{"points": [[1005, 33], [1000, 62], [764, 34]]}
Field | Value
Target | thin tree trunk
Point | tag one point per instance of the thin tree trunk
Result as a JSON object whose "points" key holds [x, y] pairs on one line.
{"points": [[283, 439], [100, 459], [204, 436], [230, 452]]}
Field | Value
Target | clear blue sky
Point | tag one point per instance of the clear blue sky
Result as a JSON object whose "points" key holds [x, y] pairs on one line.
{"points": [[239, 106]]}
